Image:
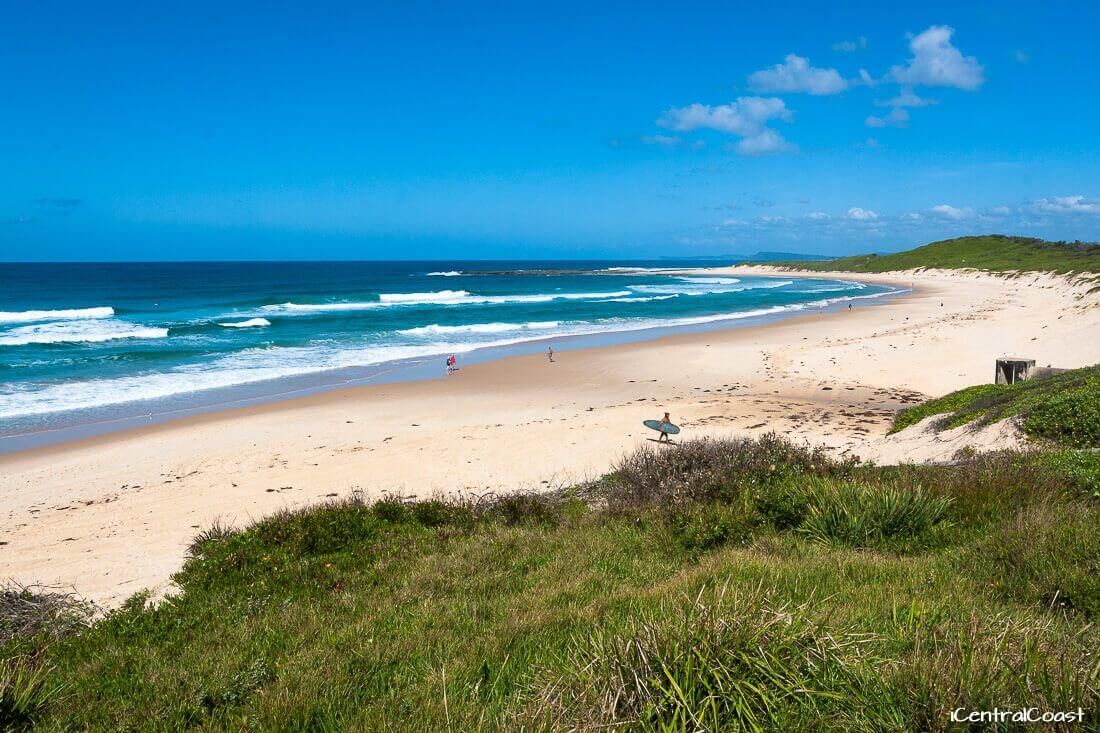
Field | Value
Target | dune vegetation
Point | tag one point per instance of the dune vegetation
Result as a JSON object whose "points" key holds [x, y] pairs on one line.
{"points": [[991, 252], [711, 585]]}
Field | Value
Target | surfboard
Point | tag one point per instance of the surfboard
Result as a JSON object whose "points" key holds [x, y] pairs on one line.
{"points": [[661, 427]]}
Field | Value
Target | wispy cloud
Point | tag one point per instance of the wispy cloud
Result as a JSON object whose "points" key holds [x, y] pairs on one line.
{"points": [[1068, 205], [796, 74], [851, 46]]}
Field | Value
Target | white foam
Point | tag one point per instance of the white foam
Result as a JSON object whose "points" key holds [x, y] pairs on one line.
{"points": [[709, 286], [448, 273], [437, 330], [250, 323], [711, 280], [291, 309], [441, 297], [643, 299], [56, 315], [78, 332]]}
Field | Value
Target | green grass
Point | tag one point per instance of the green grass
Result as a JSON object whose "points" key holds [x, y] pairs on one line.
{"points": [[1062, 409], [992, 252], [718, 585]]}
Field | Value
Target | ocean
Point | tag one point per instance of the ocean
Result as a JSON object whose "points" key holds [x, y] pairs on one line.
{"points": [[84, 345]]}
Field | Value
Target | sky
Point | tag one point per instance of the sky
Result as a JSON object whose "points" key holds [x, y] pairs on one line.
{"points": [[209, 131]]}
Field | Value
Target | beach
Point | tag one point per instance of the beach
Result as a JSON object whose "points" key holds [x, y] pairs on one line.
{"points": [[112, 515]]}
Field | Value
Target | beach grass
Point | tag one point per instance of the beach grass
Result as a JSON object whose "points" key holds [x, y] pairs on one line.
{"points": [[991, 252], [713, 585]]}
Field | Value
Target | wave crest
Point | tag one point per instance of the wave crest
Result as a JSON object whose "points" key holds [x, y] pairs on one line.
{"points": [[78, 332], [66, 314]]}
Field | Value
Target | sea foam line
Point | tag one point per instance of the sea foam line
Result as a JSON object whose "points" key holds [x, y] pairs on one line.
{"points": [[78, 332], [55, 315]]}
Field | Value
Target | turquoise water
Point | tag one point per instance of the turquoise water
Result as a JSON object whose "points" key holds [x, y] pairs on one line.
{"points": [[91, 342]]}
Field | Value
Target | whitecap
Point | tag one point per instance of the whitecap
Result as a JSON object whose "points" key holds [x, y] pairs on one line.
{"points": [[250, 323], [56, 315], [78, 332]]}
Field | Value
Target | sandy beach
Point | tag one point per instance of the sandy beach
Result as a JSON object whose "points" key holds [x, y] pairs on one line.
{"points": [[112, 515]]}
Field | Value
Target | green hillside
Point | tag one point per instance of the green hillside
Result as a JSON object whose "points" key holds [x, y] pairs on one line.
{"points": [[993, 252]]}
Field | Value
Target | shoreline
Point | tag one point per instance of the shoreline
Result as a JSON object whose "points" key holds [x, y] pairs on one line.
{"points": [[403, 371], [113, 514]]}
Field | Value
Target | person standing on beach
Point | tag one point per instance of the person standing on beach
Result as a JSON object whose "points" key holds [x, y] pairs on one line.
{"points": [[664, 436], [550, 353]]}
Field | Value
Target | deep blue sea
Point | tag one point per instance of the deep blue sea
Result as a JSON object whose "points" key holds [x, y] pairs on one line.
{"points": [[81, 343]]}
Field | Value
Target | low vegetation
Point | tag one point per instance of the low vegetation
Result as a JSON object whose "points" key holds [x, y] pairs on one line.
{"points": [[713, 585], [1061, 409], [992, 252]]}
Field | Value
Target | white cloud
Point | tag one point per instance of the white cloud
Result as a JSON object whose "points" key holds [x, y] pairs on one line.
{"points": [[898, 117], [1068, 205], [817, 216], [999, 211], [796, 75], [912, 216], [946, 211], [907, 98], [747, 117], [937, 63], [857, 214], [1022, 56], [865, 78], [765, 142], [851, 46]]}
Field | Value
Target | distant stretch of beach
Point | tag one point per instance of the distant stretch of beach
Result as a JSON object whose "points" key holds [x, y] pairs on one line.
{"points": [[113, 514]]}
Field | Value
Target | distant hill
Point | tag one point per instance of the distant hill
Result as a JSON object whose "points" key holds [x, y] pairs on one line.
{"points": [[993, 252]]}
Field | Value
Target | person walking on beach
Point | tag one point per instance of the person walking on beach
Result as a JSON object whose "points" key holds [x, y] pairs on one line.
{"points": [[550, 353], [666, 420]]}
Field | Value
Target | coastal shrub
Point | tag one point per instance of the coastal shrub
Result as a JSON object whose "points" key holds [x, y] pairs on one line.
{"points": [[1046, 554], [727, 661], [516, 509], [1062, 408], [1071, 418], [714, 470], [1079, 468], [702, 527], [869, 515]]}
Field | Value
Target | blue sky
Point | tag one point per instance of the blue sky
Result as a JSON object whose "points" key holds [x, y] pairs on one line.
{"points": [[567, 129]]}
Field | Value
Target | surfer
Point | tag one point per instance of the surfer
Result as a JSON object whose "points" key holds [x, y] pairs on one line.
{"points": [[550, 353], [666, 420]]}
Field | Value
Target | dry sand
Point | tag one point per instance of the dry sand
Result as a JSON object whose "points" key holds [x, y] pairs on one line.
{"points": [[113, 515]]}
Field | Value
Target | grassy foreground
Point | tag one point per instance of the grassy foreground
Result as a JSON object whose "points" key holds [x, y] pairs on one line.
{"points": [[715, 585], [992, 252]]}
